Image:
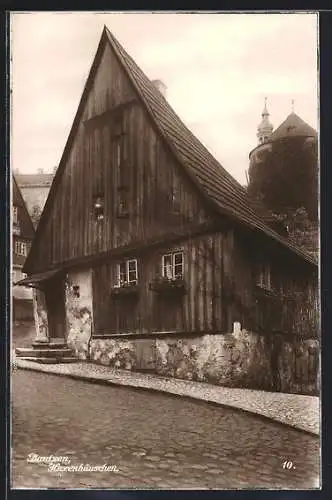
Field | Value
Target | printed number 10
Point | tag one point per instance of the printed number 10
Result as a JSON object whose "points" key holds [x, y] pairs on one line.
{"points": [[288, 465]]}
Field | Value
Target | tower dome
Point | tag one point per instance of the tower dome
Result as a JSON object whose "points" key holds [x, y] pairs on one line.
{"points": [[265, 128]]}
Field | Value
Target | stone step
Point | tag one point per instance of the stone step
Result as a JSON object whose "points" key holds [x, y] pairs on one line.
{"points": [[46, 353], [49, 345], [49, 360]]}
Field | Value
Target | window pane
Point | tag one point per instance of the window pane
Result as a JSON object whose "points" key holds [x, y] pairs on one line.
{"points": [[178, 258], [122, 267], [178, 270], [132, 265], [122, 272], [167, 266], [132, 276], [167, 259]]}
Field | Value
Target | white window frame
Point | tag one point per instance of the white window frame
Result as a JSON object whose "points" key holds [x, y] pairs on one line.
{"points": [[15, 214], [128, 280], [172, 274], [21, 248]]}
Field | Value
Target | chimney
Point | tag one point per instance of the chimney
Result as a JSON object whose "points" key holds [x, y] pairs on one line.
{"points": [[160, 86]]}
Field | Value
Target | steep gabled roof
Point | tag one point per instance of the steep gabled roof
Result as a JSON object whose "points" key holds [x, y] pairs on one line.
{"points": [[26, 226], [293, 126], [219, 188]]}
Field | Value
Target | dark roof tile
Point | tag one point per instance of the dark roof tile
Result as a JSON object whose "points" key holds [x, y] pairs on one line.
{"points": [[293, 126]]}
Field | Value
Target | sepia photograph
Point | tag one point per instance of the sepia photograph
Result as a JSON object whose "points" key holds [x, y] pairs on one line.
{"points": [[165, 253]]}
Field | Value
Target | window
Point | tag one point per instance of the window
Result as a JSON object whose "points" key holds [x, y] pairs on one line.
{"points": [[172, 265], [15, 215], [21, 248], [122, 208], [264, 276], [99, 207], [127, 272]]}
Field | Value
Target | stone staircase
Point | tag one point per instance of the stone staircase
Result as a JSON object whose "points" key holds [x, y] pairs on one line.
{"points": [[46, 353]]}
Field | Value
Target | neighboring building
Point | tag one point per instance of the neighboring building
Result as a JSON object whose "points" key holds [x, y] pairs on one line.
{"points": [[283, 175], [150, 256], [35, 188], [22, 236]]}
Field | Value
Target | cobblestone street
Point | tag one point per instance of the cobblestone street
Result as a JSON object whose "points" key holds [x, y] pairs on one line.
{"points": [[155, 440]]}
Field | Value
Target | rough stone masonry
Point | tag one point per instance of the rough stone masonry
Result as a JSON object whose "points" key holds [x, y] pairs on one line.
{"points": [[237, 359]]}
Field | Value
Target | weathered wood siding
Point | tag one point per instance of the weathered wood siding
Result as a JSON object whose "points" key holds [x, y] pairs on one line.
{"points": [[202, 308], [151, 175], [292, 304]]}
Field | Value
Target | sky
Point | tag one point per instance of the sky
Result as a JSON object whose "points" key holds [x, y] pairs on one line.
{"points": [[217, 68]]}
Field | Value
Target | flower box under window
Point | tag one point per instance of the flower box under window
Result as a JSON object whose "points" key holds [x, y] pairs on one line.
{"points": [[168, 285], [128, 289]]}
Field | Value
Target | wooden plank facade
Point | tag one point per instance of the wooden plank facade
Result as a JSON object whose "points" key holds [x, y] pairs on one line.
{"points": [[157, 197], [195, 308], [220, 288]]}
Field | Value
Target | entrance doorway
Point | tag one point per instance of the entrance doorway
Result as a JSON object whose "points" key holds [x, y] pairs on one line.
{"points": [[55, 303]]}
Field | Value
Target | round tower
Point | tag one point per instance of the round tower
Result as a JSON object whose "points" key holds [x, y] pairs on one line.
{"points": [[283, 170]]}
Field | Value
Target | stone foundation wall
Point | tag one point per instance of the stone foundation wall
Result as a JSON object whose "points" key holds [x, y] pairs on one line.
{"points": [[128, 354], [244, 359], [78, 299]]}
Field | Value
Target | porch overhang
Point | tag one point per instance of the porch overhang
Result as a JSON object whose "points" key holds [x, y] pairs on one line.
{"points": [[36, 280]]}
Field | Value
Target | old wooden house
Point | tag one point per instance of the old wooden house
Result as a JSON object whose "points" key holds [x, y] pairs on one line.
{"points": [[150, 256], [22, 236]]}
